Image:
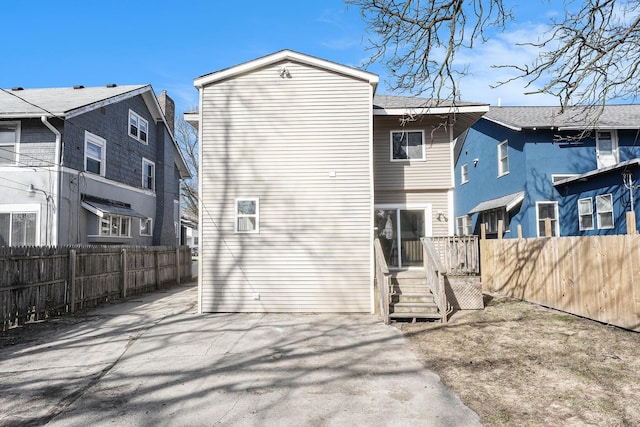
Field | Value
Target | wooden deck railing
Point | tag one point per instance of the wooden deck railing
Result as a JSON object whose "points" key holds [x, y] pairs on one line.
{"points": [[435, 278], [460, 255], [382, 281]]}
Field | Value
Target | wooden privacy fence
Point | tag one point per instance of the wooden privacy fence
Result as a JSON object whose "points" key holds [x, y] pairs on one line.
{"points": [[38, 282], [596, 277]]}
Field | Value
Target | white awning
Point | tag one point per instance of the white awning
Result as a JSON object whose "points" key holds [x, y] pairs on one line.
{"points": [[508, 202]]}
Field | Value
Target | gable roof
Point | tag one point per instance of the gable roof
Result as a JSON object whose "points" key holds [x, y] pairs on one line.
{"points": [[627, 164], [574, 118], [285, 55], [68, 102], [63, 101]]}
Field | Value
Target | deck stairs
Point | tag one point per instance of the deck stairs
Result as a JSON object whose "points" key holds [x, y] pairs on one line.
{"points": [[410, 296]]}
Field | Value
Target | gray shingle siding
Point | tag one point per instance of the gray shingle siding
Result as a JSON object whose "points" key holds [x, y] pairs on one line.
{"points": [[37, 143], [123, 153]]}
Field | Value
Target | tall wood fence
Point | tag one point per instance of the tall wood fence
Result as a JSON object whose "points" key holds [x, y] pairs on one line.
{"points": [[596, 277], [39, 282]]}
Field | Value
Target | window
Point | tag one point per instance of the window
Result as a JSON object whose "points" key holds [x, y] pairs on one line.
{"points": [[585, 214], [491, 218], [503, 158], [138, 127], [94, 154], [247, 215], [9, 137], [148, 174], [407, 145], [18, 228], [546, 210], [604, 211], [464, 173], [115, 226], [463, 225], [146, 226]]}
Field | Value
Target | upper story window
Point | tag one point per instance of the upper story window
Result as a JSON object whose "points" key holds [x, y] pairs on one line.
{"points": [[503, 158], [148, 174], [94, 154], [604, 211], [585, 214], [407, 145], [247, 215], [9, 137], [464, 173], [606, 148], [138, 127]]}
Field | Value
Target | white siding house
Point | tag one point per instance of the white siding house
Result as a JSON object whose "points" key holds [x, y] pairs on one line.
{"points": [[287, 184]]}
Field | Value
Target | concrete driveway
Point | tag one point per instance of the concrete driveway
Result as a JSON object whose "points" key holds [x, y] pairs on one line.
{"points": [[153, 361]]}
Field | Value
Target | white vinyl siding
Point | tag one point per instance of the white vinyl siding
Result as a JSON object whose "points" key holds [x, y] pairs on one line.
{"points": [[434, 173], [302, 145]]}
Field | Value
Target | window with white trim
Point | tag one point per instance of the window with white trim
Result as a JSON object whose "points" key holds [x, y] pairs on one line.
{"points": [[247, 214], [18, 228], [585, 214], [491, 218], [94, 154], [604, 211], [463, 225], [464, 173], [138, 127], [546, 210], [9, 137], [115, 226], [148, 174], [407, 145], [146, 226], [503, 158]]}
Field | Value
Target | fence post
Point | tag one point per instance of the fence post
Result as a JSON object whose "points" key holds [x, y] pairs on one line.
{"points": [[178, 265], [156, 256], [72, 280], [519, 231], [631, 223], [124, 273], [483, 231], [547, 227], [500, 227]]}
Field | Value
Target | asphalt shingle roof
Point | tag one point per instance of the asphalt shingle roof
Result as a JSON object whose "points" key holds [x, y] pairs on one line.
{"points": [[34, 102], [612, 117]]}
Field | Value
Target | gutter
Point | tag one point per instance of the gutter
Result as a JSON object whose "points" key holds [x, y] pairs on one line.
{"points": [[58, 135], [58, 164]]}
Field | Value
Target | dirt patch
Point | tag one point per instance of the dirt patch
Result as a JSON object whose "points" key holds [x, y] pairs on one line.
{"points": [[517, 363]]}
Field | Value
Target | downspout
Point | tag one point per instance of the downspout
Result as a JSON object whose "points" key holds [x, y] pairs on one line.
{"points": [[57, 163]]}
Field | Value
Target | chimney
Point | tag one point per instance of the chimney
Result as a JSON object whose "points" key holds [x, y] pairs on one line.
{"points": [[168, 107]]}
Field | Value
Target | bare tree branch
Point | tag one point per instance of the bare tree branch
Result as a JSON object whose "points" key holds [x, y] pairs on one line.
{"points": [[187, 139]]}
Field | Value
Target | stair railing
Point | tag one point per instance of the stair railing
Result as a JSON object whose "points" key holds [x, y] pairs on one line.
{"points": [[382, 281], [435, 278]]}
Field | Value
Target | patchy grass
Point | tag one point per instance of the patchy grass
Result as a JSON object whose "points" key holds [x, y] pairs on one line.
{"points": [[517, 363]]}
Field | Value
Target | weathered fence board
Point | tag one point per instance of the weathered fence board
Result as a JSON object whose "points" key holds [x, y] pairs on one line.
{"points": [[38, 282], [596, 277]]}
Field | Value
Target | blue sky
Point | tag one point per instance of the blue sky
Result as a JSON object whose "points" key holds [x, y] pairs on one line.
{"points": [[169, 43]]}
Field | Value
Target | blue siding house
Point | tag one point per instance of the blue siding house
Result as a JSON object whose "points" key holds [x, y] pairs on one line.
{"points": [[88, 165], [525, 164]]}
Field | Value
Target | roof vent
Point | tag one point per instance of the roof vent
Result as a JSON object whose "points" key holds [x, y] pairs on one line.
{"points": [[17, 88], [78, 87], [112, 85]]}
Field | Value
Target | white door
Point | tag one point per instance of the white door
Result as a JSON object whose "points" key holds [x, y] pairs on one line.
{"points": [[606, 148]]}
